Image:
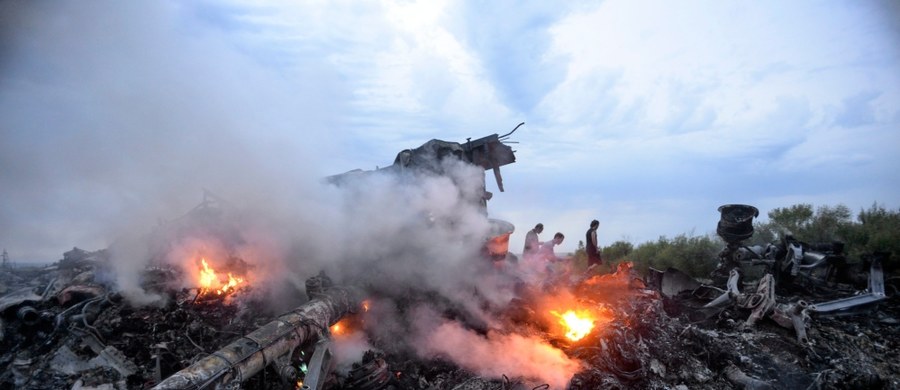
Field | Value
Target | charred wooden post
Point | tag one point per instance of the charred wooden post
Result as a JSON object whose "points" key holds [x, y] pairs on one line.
{"points": [[248, 355]]}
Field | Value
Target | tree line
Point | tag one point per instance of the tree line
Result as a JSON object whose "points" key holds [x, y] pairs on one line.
{"points": [[875, 229]]}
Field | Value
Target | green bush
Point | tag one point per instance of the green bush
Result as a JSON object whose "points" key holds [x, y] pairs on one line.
{"points": [[694, 255]]}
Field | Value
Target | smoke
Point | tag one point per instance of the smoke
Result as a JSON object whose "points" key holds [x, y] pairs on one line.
{"points": [[495, 354], [349, 349], [116, 114]]}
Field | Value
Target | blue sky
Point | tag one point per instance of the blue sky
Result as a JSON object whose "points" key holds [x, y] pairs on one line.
{"points": [[646, 115]]}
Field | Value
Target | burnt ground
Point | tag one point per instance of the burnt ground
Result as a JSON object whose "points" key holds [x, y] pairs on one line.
{"points": [[89, 338]]}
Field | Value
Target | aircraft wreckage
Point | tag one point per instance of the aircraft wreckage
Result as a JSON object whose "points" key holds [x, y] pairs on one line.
{"points": [[807, 322]]}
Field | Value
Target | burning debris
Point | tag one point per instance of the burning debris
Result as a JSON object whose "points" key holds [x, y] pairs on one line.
{"points": [[408, 314]]}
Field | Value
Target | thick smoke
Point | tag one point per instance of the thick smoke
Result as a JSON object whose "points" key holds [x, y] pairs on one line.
{"points": [[115, 116]]}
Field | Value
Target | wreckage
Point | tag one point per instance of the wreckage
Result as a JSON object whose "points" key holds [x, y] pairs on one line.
{"points": [[66, 326], [792, 270], [791, 261], [489, 153], [274, 342]]}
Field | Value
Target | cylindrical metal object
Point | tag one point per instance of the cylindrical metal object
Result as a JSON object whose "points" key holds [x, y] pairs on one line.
{"points": [[248, 355], [736, 222], [28, 315]]}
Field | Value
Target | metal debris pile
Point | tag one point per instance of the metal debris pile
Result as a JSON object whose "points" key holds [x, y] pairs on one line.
{"points": [[64, 328], [79, 333]]}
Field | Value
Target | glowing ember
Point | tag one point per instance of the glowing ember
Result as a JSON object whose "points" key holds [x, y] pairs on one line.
{"points": [[365, 305], [577, 325], [337, 328]]}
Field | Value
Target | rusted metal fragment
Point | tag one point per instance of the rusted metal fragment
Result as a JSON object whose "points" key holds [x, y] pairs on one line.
{"points": [[763, 301], [79, 292]]}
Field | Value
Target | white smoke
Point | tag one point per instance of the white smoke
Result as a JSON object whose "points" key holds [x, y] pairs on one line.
{"points": [[116, 114], [495, 354]]}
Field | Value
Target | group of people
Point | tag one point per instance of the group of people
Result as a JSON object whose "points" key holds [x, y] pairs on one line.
{"points": [[543, 251]]}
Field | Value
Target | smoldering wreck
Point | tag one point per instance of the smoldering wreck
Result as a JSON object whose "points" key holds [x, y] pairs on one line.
{"points": [[429, 297]]}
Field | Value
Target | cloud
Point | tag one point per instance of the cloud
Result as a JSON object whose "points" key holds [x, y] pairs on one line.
{"points": [[707, 103], [514, 49], [857, 110]]}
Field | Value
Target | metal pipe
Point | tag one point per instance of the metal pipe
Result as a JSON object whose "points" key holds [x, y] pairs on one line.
{"points": [[248, 355]]}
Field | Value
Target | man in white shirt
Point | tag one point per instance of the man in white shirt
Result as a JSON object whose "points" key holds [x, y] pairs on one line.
{"points": [[531, 240], [546, 251]]}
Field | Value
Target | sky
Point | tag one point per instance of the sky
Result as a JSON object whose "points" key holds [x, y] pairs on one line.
{"points": [[645, 115]]}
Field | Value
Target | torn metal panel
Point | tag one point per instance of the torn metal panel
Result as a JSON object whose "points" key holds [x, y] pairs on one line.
{"points": [[673, 282], [320, 365], [876, 294]]}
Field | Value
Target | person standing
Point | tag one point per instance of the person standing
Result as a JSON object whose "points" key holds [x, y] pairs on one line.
{"points": [[591, 246], [531, 240]]}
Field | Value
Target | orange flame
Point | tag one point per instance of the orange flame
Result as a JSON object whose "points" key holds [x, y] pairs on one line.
{"points": [[232, 283], [207, 276], [576, 324], [209, 280]]}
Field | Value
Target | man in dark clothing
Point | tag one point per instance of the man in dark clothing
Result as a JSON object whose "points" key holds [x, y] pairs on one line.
{"points": [[531, 240], [591, 247]]}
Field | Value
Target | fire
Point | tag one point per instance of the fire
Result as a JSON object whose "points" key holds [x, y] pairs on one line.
{"points": [[207, 276], [337, 328], [210, 281], [232, 283], [577, 324]]}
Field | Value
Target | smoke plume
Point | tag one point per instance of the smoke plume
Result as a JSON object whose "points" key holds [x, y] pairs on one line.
{"points": [[117, 115], [495, 354]]}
